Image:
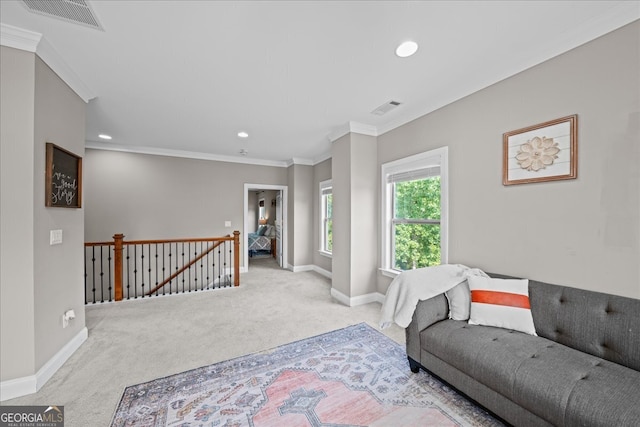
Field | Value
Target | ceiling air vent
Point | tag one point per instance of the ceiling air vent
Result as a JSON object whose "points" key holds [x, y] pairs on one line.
{"points": [[76, 11], [385, 108]]}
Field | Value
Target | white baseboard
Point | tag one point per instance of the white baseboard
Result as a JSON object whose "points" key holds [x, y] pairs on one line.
{"points": [[310, 267], [359, 300], [31, 384], [299, 268], [322, 271]]}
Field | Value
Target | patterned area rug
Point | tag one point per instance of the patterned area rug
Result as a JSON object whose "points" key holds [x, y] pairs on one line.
{"points": [[354, 376]]}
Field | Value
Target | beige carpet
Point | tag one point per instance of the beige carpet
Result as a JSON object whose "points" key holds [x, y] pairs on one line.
{"points": [[138, 341]]}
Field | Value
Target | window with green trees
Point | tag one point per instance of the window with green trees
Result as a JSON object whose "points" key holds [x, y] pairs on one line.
{"points": [[326, 212], [416, 223], [414, 211]]}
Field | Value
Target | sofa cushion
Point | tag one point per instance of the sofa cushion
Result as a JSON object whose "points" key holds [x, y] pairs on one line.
{"points": [[501, 302], [555, 382], [459, 298], [606, 326]]}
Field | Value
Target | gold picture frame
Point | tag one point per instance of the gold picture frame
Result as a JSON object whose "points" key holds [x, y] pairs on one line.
{"points": [[544, 152]]}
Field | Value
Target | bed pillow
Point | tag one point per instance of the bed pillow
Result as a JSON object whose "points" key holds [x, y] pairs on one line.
{"points": [[261, 230], [459, 298], [271, 232], [503, 303]]}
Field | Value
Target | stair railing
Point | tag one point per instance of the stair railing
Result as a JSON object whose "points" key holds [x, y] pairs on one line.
{"points": [[144, 268]]}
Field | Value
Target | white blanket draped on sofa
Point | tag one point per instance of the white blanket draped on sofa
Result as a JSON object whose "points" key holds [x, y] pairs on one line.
{"points": [[412, 286]]}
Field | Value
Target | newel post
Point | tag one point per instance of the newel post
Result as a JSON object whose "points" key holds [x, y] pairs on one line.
{"points": [[236, 258], [117, 266]]}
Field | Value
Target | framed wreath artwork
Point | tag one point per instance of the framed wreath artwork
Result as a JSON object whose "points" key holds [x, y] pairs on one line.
{"points": [[543, 152]]}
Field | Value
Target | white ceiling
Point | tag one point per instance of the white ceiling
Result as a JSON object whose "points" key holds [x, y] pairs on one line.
{"points": [[188, 75]]}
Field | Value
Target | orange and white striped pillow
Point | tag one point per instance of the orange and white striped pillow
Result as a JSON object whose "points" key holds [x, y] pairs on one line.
{"points": [[503, 303]]}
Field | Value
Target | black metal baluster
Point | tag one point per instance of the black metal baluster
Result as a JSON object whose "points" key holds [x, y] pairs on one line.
{"points": [[93, 272], [163, 273], [135, 269], [183, 266], [102, 275], [189, 264], [128, 275], [195, 268], [142, 269], [109, 270], [85, 274], [170, 281], [213, 270], [207, 262], [230, 262], [157, 283], [219, 268], [149, 264], [201, 270]]}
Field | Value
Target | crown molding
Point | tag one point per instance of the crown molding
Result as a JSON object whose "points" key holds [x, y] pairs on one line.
{"points": [[321, 158], [300, 161], [183, 154], [353, 127], [18, 38], [363, 129], [52, 58], [95, 145], [31, 41]]}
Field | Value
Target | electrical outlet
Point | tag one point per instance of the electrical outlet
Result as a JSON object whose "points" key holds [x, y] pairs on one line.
{"points": [[68, 315], [227, 223]]}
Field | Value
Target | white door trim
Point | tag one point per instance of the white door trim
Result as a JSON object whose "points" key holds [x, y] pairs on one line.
{"points": [[285, 223]]}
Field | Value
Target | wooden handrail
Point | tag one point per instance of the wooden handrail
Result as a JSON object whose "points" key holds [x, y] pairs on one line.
{"points": [[185, 267], [160, 241], [118, 244]]}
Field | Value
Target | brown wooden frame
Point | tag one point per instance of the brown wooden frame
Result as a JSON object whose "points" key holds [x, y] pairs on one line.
{"points": [[573, 151], [53, 197]]}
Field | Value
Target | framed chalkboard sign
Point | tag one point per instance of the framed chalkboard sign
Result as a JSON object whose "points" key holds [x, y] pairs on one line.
{"points": [[63, 179]]}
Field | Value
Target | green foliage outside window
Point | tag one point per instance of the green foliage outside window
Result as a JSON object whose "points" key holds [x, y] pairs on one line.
{"points": [[328, 221], [417, 245]]}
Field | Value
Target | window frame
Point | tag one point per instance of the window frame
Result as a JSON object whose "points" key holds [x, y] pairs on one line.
{"points": [[323, 186], [438, 156]]}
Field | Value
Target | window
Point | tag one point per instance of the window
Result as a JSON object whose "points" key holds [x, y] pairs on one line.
{"points": [[414, 231], [326, 217]]}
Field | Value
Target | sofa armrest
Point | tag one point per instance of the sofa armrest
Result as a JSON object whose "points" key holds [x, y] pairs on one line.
{"points": [[427, 313]]}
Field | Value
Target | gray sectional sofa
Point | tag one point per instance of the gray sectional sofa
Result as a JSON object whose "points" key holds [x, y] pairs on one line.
{"points": [[583, 368]]}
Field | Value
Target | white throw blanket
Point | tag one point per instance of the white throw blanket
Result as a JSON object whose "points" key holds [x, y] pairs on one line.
{"points": [[412, 286]]}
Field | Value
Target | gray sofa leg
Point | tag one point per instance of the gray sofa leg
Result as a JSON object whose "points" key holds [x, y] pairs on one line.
{"points": [[413, 365]]}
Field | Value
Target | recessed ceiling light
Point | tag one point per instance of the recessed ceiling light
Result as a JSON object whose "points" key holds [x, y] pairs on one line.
{"points": [[407, 48], [105, 136], [243, 134]]}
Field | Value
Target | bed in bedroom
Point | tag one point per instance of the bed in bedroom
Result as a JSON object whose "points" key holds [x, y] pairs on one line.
{"points": [[260, 241]]}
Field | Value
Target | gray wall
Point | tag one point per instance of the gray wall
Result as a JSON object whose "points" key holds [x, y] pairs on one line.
{"points": [[300, 215], [155, 197], [341, 178], [59, 269], [321, 172], [584, 232], [17, 330], [39, 282], [355, 219]]}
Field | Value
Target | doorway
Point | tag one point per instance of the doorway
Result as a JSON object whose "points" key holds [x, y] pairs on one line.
{"points": [[266, 204]]}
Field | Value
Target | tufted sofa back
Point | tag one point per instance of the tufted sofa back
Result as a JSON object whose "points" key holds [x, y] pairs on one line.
{"points": [[606, 326]]}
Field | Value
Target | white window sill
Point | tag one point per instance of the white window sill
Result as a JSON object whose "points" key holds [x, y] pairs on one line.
{"points": [[325, 253], [389, 273]]}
